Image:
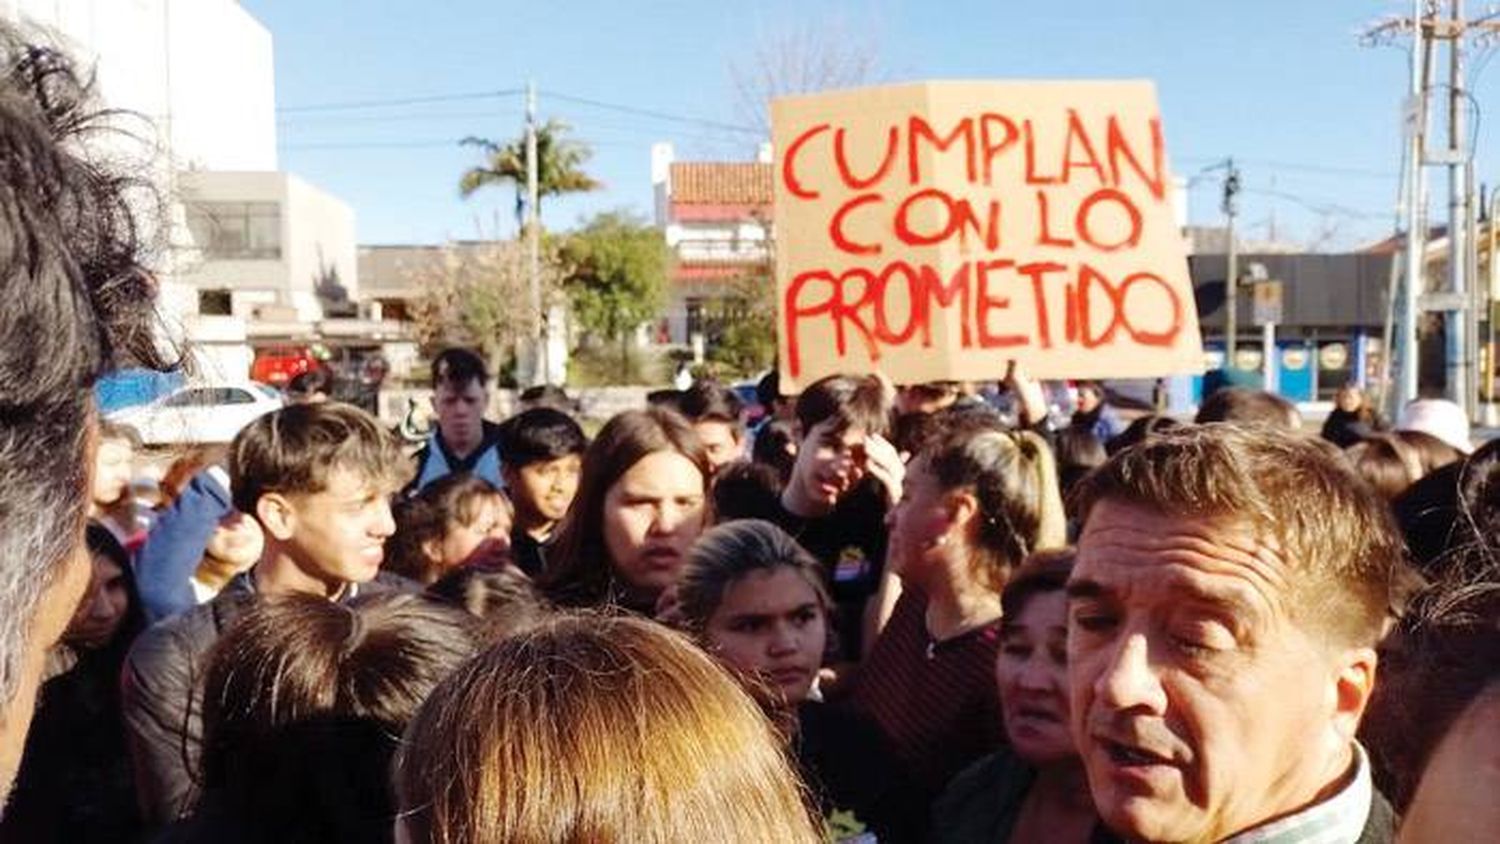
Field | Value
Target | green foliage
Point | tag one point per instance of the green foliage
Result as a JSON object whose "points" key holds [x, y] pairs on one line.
{"points": [[559, 166], [615, 276], [610, 364], [741, 339]]}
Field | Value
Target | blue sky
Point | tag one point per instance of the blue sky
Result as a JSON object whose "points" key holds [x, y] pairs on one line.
{"points": [[1282, 85]]}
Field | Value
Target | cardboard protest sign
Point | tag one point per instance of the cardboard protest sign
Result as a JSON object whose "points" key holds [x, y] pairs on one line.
{"points": [[937, 230]]}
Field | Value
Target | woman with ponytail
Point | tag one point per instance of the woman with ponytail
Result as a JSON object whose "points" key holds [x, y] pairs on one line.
{"points": [[975, 502]]}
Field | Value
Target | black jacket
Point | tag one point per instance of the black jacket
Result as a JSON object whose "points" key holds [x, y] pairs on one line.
{"points": [[162, 692]]}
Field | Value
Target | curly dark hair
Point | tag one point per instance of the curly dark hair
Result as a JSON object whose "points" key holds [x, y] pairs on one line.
{"points": [[78, 303]]}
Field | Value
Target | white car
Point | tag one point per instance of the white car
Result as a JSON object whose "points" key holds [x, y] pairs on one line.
{"points": [[200, 413]]}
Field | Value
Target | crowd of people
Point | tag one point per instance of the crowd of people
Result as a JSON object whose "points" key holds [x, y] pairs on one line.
{"points": [[926, 613]]}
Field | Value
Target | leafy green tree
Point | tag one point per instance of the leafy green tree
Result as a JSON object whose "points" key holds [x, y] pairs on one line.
{"points": [[559, 166], [742, 326], [615, 277]]}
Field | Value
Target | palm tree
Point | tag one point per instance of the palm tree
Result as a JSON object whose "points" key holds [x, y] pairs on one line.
{"points": [[559, 166]]}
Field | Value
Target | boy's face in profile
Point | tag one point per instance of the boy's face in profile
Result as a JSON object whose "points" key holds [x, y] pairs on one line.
{"points": [[338, 534]]}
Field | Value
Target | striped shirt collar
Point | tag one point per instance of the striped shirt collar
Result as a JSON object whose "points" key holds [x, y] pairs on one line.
{"points": [[1338, 820]]}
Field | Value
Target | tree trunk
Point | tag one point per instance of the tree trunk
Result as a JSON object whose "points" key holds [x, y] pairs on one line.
{"points": [[624, 357]]}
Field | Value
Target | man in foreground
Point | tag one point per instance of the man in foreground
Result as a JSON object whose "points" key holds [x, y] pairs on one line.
{"points": [[1231, 585]]}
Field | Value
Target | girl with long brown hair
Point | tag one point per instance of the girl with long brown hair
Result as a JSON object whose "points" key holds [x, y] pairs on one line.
{"points": [[641, 502]]}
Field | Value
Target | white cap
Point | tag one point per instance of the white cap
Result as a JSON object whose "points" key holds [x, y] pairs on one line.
{"points": [[1439, 417]]}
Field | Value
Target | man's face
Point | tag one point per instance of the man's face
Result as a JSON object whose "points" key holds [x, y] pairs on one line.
{"points": [[829, 462], [1200, 706], [545, 488], [54, 611], [460, 410], [338, 535], [112, 469], [722, 442]]}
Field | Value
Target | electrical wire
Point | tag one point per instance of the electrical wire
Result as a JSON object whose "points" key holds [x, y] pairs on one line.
{"points": [[1322, 207], [297, 122], [380, 103], [1296, 166], [351, 145], [651, 113]]}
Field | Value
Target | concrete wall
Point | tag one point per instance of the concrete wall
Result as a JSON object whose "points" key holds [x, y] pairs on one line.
{"points": [[200, 70], [223, 86], [317, 231]]}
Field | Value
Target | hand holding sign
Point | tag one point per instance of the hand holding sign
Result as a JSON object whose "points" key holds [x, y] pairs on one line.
{"points": [[935, 231]]}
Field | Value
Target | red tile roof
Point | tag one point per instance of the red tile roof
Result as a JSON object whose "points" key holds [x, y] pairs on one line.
{"points": [[721, 183]]}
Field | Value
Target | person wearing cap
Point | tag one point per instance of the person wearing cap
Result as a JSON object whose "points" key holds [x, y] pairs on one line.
{"points": [[1439, 417]]}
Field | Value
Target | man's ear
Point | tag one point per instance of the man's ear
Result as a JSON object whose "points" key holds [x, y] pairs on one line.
{"points": [[1353, 685], [276, 515]]}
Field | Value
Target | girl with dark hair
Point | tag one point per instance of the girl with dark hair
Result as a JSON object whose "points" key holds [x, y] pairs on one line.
{"points": [[458, 520], [756, 599], [975, 502], [75, 780], [1387, 463], [640, 505], [303, 705]]}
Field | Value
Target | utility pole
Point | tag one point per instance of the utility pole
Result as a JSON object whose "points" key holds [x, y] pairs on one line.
{"points": [[1427, 26], [1232, 273], [1456, 157], [543, 373]]}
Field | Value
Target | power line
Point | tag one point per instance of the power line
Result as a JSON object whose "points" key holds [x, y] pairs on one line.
{"points": [[658, 115], [295, 122], [374, 145], [1317, 206], [380, 103], [1299, 166]]}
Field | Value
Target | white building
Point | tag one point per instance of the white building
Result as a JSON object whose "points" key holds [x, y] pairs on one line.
{"points": [[716, 216], [249, 244]]}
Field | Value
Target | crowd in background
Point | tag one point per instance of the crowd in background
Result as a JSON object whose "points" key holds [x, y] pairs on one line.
{"points": [[933, 612]]}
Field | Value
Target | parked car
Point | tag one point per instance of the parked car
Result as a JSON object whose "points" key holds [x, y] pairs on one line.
{"points": [[200, 413]]}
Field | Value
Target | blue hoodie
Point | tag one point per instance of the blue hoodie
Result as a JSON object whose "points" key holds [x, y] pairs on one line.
{"points": [[165, 565]]}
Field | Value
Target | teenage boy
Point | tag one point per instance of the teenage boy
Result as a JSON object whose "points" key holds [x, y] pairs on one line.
{"points": [[463, 440], [318, 478], [845, 478], [714, 411], [543, 450]]}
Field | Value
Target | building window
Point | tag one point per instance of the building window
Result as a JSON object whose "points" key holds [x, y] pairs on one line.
{"points": [[215, 303], [236, 230]]}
